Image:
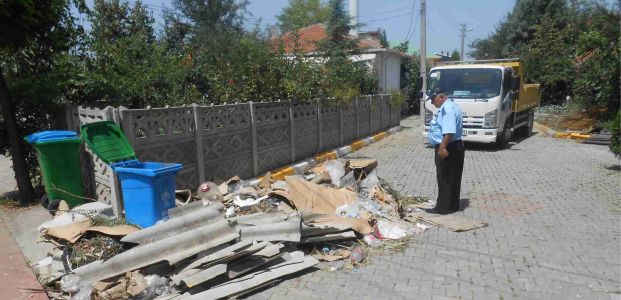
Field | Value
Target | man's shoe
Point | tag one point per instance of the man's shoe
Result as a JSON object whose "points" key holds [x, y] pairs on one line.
{"points": [[436, 211]]}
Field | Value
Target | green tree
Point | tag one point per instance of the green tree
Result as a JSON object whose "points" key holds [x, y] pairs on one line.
{"points": [[129, 66], [403, 47], [518, 28], [548, 59], [455, 56], [33, 38], [345, 78], [302, 13]]}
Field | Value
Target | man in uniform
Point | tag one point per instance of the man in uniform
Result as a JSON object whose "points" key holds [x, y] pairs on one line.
{"points": [[445, 136]]}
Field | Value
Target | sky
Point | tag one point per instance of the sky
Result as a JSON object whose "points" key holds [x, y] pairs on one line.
{"points": [[443, 18], [395, 16]]}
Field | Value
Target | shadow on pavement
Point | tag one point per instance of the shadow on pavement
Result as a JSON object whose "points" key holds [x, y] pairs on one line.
{"points": [[614, 168]]}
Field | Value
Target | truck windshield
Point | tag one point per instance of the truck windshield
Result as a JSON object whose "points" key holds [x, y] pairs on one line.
{"points": [[466, 83]]}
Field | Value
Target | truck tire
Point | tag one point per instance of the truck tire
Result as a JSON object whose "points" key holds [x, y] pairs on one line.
{"points": [[502, 141], [527, 131]]}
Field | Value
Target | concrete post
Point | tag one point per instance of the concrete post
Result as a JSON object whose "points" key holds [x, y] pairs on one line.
{"points": [[198, 144], [357, 118], [253, 132], [340, 125], [319, 126], [292, 132]]}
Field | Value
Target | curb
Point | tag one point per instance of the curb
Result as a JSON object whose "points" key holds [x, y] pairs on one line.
{"points": [[301, 167], [561, 135]]}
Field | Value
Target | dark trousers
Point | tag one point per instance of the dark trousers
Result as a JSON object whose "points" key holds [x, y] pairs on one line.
{"points": [[448, 172]]}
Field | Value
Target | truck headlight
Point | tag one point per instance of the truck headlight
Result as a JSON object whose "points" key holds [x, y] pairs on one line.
{"points": [[428, 116], [490, 119]]}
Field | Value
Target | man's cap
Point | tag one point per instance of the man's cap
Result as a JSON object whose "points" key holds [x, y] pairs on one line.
{"points": [[436, 92]]}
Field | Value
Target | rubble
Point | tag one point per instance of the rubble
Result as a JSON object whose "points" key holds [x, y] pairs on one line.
{"points": [[230, 239]]}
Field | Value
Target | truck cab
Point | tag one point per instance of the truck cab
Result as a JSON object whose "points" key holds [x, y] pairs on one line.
{"points": [[495, 103]]}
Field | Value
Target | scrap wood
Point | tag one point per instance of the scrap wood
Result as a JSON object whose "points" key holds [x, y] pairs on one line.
{"points": [[310, 197], [338, 255], [367, 164], [224, 187], [451, 222], [360, 167], [266, 181], [383, 197], [130, 285], [318, 169], [323, 177]]}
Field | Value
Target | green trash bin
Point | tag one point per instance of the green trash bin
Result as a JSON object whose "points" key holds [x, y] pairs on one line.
{"points": [[59, 160]]}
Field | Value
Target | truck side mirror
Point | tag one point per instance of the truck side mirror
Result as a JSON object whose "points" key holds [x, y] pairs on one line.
{"points": [[515, 83]]}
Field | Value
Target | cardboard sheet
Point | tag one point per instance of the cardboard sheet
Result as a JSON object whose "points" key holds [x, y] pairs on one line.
{"points": [[310, 197], [72, 232]]}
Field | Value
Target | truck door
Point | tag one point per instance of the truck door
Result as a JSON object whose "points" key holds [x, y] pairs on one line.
{"points": [[504, 111]]}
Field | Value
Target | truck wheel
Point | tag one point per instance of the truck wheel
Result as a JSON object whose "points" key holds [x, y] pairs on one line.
{"points": [[526, 131], [502, 141]]}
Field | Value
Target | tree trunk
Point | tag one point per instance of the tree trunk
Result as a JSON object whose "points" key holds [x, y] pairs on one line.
{"points": [[24, 185]]}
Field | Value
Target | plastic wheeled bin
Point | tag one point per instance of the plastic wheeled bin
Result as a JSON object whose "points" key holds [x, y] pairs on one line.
{"points": [[148, 188], [59, 159]]}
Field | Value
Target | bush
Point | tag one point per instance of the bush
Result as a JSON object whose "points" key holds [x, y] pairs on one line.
{"points": [[616, 139]]}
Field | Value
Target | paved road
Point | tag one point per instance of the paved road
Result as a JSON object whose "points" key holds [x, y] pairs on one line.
{"points": [[554, 214]]}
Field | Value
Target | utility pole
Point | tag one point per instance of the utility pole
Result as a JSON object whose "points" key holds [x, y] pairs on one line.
{"points": [[463, 31], [423, 53]]}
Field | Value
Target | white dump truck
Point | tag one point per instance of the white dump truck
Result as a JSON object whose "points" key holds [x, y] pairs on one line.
{"points": [[495, 101]]}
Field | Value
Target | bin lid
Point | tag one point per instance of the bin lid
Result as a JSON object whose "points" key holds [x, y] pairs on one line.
{"points": [[107, 141], [50, 135]]}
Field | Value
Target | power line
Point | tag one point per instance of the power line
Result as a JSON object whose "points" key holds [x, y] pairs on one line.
{"points": [[384, 12], [407, 35], [384, 19]]}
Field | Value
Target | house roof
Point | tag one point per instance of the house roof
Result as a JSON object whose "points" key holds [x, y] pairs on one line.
{"points": [[308, 39]]}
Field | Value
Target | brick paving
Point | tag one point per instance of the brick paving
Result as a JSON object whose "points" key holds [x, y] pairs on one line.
{"points": [[16, 279], [554, 212]]}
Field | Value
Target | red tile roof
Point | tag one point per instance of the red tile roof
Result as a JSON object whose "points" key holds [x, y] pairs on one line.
{"points": [[308, 39]]}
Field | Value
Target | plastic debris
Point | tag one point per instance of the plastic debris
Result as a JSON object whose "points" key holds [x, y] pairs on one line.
{"points": [[230, 212], [247, 202], [372, 241], [348, 211], [422, 226], [336, 169], [390, 230], [357, 255], [85, 293], [44, 267], [157, 286], [209, 191], [71, 283]]}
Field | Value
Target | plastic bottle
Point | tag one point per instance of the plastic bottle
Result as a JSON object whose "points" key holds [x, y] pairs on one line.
{"points": [[357, 255]]}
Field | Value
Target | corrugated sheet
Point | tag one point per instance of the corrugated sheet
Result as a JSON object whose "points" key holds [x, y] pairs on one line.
{"points": [[199, 216], [172, 249], [294, 262], [290, 230]]}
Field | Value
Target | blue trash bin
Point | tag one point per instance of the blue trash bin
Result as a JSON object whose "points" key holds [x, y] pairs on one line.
{"points": [[148, 190]]}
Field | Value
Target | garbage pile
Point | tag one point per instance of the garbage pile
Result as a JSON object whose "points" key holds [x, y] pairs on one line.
{"points": [[230, 239]]}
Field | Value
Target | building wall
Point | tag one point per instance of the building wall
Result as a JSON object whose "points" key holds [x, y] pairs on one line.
{"points": [[388, 68]]}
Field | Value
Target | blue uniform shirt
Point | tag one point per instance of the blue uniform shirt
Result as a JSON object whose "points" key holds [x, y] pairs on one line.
{"points": [[448, 120]]}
